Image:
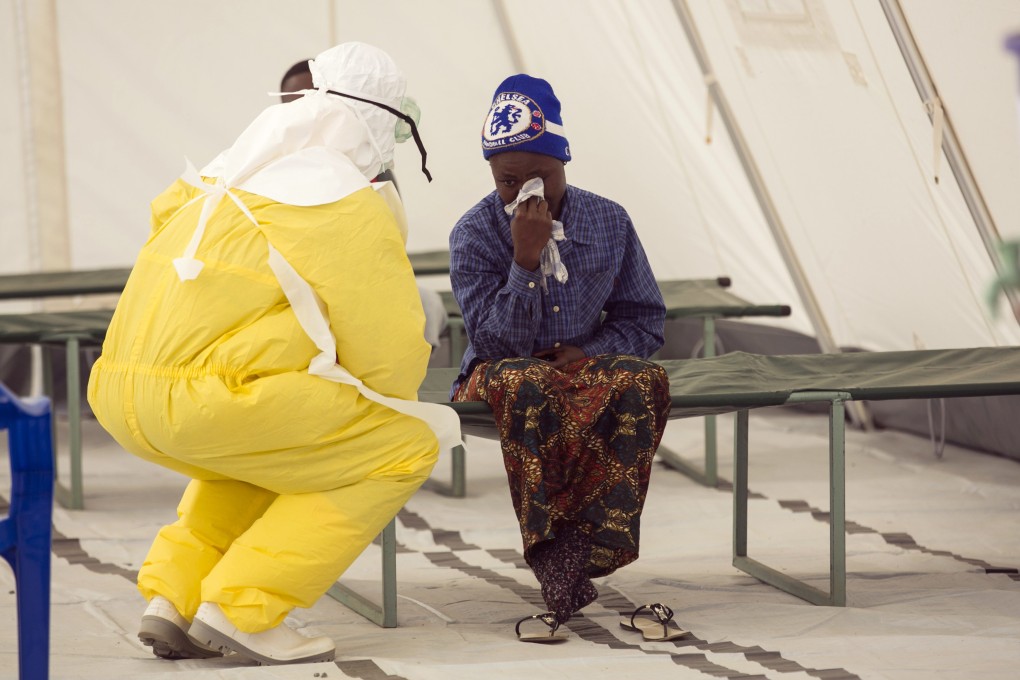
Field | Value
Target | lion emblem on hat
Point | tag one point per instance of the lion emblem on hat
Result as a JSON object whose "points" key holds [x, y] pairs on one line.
{"points": [[504, 118]]}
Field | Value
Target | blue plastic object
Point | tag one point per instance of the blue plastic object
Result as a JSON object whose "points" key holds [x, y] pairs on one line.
{"points": [[25, 533]]}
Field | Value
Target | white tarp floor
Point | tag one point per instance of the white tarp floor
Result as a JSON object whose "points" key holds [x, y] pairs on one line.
{"points": [[925, 540]]}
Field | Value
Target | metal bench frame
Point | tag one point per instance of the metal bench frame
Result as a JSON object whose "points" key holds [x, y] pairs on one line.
{"points": [[384, 614], [861, 376]]}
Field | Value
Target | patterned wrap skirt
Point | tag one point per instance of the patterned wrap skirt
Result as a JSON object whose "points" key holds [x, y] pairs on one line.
{"points": [[578, 444]]}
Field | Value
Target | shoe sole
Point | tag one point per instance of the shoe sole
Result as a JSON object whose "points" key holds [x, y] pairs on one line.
{"points": [[211, 637], [170, 642], [652, 631]]}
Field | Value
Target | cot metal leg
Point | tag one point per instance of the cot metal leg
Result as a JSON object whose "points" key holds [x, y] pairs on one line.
{"points": [[709, 476], [837, 508], [711, 450], [458, 485], [386, 614], [740, 436], [457, 488], [456, 325], [73, 496], [59, 492], [458, 464], [73, 359], [837, 504]]}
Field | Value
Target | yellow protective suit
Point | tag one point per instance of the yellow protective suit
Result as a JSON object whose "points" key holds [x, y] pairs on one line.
{"points": [[293, 475]]}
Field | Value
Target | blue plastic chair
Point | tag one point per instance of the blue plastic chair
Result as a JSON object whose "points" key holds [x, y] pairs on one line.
{"points": [[25, 533]]}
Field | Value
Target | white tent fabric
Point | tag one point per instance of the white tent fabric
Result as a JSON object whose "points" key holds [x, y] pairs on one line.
{"points": [[818, 88], [962, 45], [825, 102]]}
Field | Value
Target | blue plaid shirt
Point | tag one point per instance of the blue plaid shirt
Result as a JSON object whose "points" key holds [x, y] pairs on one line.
{"points": [[508, 314]]}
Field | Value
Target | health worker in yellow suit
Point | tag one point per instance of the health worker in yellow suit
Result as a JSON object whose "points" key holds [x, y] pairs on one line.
{"points": [[269, 346]]}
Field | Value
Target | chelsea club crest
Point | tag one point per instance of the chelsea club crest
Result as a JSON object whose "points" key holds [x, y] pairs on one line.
{"points": [[514, 118]]}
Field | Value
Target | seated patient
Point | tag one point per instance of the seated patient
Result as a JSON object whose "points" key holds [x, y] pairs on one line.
{"points": [[561, 310]]}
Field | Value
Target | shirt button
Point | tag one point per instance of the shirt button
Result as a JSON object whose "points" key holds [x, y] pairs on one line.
{"points": [[531, 284], [556, 308], [556, 345]]}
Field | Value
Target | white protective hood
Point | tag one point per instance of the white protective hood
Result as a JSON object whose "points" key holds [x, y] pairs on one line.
{"points": [[303, 152]]}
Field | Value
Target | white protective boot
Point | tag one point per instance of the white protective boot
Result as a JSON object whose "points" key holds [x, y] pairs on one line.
{"points": [[166, 631], [277, 645]]}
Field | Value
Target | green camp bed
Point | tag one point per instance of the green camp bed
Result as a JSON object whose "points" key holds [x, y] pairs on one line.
{"points": [[430, 262], [706, 299], [455, 326], [66, 283], [738, 382], [72, 330]]}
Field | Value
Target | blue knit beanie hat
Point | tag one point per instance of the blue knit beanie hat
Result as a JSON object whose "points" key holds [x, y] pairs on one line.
{"points": [[525, 116]]}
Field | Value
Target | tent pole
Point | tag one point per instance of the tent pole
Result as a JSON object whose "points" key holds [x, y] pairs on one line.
{"points": [[983, 220], [39, 91], [508, 35], [859, 412], [331, 18]]}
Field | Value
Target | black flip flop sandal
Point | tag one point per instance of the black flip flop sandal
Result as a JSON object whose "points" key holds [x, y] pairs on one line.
{"points": [[549, 619], [654, 631]]}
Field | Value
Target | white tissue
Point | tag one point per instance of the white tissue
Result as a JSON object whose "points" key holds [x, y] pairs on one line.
{"points": [[549, 260]]}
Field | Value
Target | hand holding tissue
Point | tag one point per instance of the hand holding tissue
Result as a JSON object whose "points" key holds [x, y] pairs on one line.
{"points": [[549, 260]]}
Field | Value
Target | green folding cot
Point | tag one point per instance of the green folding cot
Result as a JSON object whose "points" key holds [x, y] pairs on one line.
{"points": [[431, 262], [739, 382], [72, 330], [62, 284]]}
